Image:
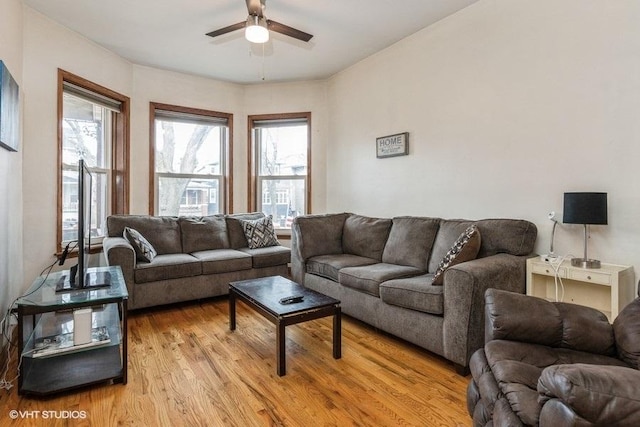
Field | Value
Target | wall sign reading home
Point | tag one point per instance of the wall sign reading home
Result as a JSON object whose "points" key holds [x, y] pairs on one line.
{"points": [[392, 145]]}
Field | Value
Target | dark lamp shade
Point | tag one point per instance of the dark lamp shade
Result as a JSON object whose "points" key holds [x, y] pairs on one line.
{"points": [[585, 208]]}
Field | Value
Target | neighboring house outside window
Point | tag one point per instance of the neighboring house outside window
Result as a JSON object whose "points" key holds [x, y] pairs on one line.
{"points": [[280, 184], [190, 151], [93, 125]]}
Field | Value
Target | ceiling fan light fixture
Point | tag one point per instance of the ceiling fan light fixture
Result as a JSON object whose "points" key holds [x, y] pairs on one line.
{"points": [[256, 29]]}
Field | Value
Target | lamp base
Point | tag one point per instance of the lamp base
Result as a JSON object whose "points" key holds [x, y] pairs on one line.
{"points": [[585, 263]]}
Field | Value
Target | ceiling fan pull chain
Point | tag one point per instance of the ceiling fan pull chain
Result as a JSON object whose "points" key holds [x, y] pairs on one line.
{"points": [[263, 61]]}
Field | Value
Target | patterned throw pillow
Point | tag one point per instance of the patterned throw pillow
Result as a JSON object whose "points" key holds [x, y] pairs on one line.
{"points": [[144, 250], [465, 248], [260, 232]]}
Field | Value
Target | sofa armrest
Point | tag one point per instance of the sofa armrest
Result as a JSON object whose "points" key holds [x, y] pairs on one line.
{"points": [[313, 235], [118, 251], [297, 258], [601, 395], [523, 318], [464, 288]]}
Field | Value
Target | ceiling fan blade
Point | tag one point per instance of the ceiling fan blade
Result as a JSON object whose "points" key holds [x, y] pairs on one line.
{"points": [[228, 29], [255, 7], [288, 31]]}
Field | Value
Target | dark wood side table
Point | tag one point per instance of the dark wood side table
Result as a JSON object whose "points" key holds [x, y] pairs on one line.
{"points": [[264, 294]]}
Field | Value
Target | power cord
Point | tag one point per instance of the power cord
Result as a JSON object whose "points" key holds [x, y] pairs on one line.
{"points": [[555, 264]]}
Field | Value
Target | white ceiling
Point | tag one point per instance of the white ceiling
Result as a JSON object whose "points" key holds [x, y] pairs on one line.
{"points": [[170, 34]]}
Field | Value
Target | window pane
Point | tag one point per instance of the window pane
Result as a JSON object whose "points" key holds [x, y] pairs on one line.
{"points": [[70, 205], [99, 207], [284, 199], [189, 152], [188, 196], [188, 148], [283, 150], [85, 132]]}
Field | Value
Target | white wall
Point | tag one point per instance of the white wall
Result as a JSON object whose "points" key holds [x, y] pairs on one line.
{"points": [[508, 105], [47, 47], [11, 274]]}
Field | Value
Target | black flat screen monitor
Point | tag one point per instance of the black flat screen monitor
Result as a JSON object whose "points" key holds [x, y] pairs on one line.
{"points": [[78, 277]]}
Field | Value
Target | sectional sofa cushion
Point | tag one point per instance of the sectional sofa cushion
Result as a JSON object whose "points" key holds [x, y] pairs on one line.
{"points": [[269, 256], [223, 260], [163, 232], [410, 241], [167, 266], [203, 233], [328, 266], [368, 278], [364, 236], [319, 234], [510, 236], [415, 293]]}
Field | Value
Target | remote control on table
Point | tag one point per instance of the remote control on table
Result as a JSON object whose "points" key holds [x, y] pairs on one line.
{"points": [[292, 299]]}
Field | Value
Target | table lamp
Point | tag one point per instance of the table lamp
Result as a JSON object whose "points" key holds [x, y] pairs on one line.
{"points": [[585, 209]]}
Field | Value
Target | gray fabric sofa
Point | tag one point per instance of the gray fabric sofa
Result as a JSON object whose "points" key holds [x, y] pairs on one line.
{"points": [[555, 364], [196, 257], [381, 270]]}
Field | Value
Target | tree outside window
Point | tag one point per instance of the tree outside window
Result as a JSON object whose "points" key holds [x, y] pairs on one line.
{"points": [[190, 154]]}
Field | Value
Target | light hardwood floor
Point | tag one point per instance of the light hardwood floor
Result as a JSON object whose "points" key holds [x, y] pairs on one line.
{"points": [[187, 369]]}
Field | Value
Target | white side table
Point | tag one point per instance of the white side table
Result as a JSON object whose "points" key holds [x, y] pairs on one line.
{"points": [[607, 289]]}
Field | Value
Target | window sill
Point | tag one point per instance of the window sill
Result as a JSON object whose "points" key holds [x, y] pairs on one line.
{"points": [[95, 249], [283, 233]]}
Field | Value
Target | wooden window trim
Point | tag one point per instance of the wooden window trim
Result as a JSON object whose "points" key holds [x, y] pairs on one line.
{"points": [[252, 202], [119, 149], [227, 202]]}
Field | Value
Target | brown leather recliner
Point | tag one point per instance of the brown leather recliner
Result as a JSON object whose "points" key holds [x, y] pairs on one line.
{"points": [[555, 364]]}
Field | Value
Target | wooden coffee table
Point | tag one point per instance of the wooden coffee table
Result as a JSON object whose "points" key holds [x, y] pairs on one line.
{"points": [[264, 294]]}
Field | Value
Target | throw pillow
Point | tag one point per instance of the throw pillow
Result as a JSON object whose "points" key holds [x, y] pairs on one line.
{"points": [[465, 248], [259, 233], [144, 250]]}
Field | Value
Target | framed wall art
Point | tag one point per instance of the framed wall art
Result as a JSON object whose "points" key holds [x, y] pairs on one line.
{"points": [[9, 110], [392, 145]]}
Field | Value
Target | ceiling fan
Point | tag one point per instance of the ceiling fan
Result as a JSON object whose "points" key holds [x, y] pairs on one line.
{"points": [[257, 26]]}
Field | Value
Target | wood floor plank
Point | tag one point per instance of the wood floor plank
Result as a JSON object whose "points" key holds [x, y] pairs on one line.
{"points": [[186, 368]]}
